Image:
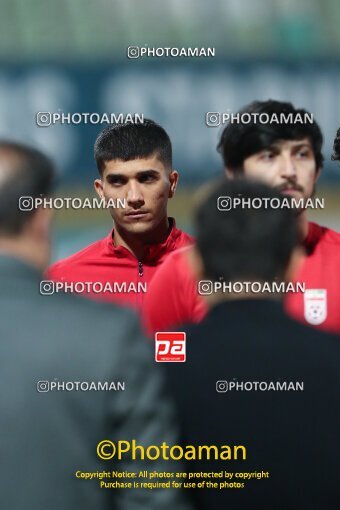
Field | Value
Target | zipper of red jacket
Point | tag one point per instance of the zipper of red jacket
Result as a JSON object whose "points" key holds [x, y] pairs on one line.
{"points": [[139, 294]]}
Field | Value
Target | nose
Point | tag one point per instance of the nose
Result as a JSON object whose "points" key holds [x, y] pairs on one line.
{"points": [[288, 169], [135, 197]]}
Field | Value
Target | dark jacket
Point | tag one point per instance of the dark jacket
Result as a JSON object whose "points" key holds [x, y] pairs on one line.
{"points": [[293, 435], [47, 436]]}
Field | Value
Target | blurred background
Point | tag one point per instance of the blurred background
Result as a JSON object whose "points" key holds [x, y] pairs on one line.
{"points": [[71, 56]]}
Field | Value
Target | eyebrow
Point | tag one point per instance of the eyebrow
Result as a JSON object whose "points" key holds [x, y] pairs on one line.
{"points": [[302, 144], [278, 146], [139, 173]]}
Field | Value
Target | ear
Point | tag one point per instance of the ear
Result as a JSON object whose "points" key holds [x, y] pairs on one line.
{"points": [[229, 173], [317, 174], [173, 178], [39, 226], [98, 186]]}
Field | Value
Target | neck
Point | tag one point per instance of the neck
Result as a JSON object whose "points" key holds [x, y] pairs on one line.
{"points": [[214, 299], [138, 244], [302, 223]]}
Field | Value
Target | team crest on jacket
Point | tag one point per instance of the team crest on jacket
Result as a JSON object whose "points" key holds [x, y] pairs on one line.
{"points": [[315, 301]]}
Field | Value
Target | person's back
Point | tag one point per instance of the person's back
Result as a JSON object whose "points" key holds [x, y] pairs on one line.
{"points": [[258, 379], [73, 373], [246, 375], [56, 354]]}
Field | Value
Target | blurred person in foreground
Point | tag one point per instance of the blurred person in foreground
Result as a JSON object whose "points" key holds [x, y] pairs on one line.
{"points": [[135, 163], [287, 157], [289, 431], [336, 147], [46, 437]]}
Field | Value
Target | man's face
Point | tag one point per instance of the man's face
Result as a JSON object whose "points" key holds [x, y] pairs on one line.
{"points": [[146, 184], [288, 166]]}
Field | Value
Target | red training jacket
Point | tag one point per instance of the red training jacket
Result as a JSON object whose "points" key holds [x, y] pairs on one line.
{"points": [[121, 277], [173, 297]]}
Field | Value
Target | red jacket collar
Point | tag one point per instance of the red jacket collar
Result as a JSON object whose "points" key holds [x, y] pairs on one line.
{"points": [[154, 252], [315, 232]]}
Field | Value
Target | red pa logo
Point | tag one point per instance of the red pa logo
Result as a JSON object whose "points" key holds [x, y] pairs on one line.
{"points": [[170, 347]]}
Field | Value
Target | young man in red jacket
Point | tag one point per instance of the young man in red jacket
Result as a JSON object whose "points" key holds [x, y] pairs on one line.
{"points": [[288, 157], [135, 165]]}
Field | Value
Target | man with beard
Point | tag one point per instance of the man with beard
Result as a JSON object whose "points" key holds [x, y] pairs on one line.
{"points": [[287, 156]]}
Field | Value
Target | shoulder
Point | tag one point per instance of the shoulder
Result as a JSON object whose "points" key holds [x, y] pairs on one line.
{"points": [[176, 262], [324, 234], [75, 314], [185, 239], [85, 255], [332, 237], [181, 255]]}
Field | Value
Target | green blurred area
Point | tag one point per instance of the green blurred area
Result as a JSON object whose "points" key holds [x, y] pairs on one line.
{"points": [[88, 30]]}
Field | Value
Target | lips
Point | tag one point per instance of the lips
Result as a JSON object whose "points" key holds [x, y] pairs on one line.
{"points": [[289, 189], [136, 214]]}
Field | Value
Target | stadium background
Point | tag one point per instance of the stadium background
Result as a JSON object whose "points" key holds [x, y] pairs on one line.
{"points": [[71, 56]]}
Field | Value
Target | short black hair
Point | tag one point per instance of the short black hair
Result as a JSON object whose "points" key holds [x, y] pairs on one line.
{"points": [[30, 174], [241, 140], [245, 243], [336, 147], [127, 141]]}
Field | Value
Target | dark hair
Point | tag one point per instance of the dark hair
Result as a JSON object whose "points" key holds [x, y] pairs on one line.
{"points": [[251, 243], [241, 140], [30, 174], [336, 147], [132, 141]]}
